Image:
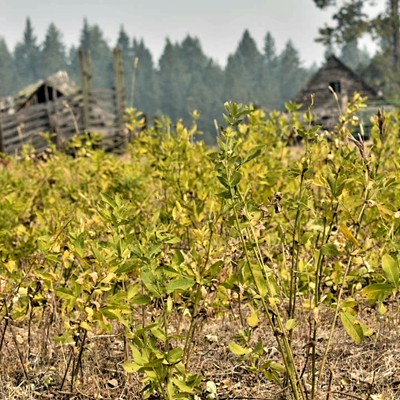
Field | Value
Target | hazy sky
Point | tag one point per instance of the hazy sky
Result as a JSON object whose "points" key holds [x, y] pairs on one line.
{"points": [[218, 24]]}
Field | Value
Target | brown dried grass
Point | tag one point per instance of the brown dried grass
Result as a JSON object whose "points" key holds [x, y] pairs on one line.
{"points": [[355, 371]]}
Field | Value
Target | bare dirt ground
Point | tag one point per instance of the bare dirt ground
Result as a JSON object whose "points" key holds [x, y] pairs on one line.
{"points": [[35, 368]]}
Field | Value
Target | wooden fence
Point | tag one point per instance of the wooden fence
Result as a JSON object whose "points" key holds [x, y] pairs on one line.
{"points": [[87, 110]]}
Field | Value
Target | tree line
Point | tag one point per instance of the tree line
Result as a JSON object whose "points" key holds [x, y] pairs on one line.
{"points": [[183, 79]]}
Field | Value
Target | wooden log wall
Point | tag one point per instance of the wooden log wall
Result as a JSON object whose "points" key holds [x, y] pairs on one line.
{"points": [[62, 118]]}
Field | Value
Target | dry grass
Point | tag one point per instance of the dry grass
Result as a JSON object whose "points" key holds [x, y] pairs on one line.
{"points": [[34, 368]]}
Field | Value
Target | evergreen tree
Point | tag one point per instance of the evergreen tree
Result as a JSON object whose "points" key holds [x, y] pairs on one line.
{"points": [[203, 91], [194, 62], [269, 88], [292, 75], [53, 52], [146, 93], [270, 56], [172, 81], [192, 55], [27, 58], [92, 40], [73, 67], [85, 40], [235, 87], [123, 43], [353, 57], [243, 72], [211, 100], [7, 74]]}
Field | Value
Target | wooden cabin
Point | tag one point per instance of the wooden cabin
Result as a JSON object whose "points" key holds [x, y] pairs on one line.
{"points": [[335, 76], [56, 105]]}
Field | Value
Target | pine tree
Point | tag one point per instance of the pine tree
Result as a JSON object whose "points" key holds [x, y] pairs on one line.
{"points": [[211, 106], [172, 81], [269, 88], [53, 52], [27, 58], [146, 94], [203, 90], [244, 71], [73, 67], [192, 54], [270, 56], [92, 40], [194, 62], [353, 57], [7, 74], [123, 43], [292, 75]]}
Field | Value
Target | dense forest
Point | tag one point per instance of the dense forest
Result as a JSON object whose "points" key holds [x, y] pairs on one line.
{"points": [[183, 79]]}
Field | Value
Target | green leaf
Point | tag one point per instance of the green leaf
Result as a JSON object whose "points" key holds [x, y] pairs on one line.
{"points": [[65, 294], [329, 250], [158, 333], [141, 299], [260, 282], [237, 349], [66, 339], [182, 386], [178, 257], [390, 267], [352, 327], [108, 199], [149, 281], [175, 355], [223, 180], [180, 284], [215, 269], [378, 291], [277, 366], [253, 153], [130, 367], [236, 177], [173, 240], [291, 324]]}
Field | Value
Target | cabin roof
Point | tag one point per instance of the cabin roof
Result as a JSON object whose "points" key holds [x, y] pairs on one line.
{"points": [[334, 70], [60, 82]]}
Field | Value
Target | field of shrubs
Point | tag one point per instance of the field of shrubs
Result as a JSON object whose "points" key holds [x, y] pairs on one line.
{"points": [[265, 267]]}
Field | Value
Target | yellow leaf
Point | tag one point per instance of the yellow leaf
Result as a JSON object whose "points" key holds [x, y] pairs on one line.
{"points": [[237, 349], [252, 320], [94, 276], [10, 266], [348, 235], [108, 278], [65, 255], [85, 325], [290, 324]]}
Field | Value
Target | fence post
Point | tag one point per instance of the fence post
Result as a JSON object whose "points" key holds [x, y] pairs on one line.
{"points": [[86, 80], [119, 92], [1, 135]]}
